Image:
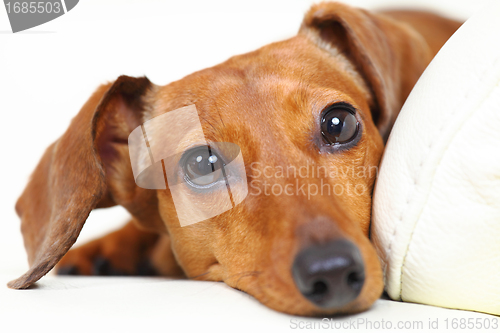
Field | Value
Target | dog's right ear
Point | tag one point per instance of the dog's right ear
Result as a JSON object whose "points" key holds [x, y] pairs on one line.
{"points": [[388, 54], [87, 167]]}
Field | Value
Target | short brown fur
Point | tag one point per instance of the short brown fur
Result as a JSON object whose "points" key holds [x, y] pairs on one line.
{"points": [[268, 102]]}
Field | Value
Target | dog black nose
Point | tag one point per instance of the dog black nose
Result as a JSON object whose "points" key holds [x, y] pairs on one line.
{"points": [[329, 275]]}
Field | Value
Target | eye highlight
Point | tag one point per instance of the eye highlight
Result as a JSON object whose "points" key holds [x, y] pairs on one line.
{"points": [[339, 124]]}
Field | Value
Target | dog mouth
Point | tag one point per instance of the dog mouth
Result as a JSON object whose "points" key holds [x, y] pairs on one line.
{"points": [[321, 280]]}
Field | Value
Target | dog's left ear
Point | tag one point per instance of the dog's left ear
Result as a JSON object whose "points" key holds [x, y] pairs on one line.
{"points": [[87, 167], [390, 55]]}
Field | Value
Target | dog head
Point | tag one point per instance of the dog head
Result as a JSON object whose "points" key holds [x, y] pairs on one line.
{"points": [[310, 116]]}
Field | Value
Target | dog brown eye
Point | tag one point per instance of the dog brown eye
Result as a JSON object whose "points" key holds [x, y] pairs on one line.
{"points": [[202, 166], [339, 124]]}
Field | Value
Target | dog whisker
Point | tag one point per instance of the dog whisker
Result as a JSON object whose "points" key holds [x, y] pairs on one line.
{"points": [[220, 116], [245, 274], [197, 276]]}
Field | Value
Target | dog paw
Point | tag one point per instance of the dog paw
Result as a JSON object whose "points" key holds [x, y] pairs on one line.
{"points": [[102, 266], [96, 258], [67, 270]]}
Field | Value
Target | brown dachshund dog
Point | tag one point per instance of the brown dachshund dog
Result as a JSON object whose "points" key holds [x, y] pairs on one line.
{"points": [[325, 100]]}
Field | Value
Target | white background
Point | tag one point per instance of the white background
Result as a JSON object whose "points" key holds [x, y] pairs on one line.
{"points": [[48, 72]]}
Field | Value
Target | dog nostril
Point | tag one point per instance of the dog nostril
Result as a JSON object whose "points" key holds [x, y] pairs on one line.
{"points": [[319, 290], [329, 275], [355, 280]]}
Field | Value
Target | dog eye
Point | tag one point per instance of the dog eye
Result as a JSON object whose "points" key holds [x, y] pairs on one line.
{"points": [[202, 166], [339, 124]]}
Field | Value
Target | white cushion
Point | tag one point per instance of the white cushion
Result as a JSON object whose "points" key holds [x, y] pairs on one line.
{"points": [[141, 304], [436, 210]]}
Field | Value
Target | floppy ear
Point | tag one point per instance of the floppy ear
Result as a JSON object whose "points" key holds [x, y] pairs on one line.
{"points": [[390, 55], [87, 167]]}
